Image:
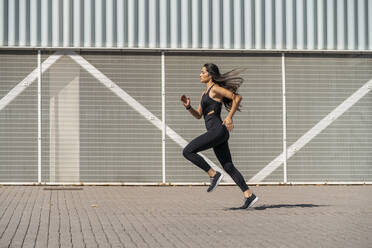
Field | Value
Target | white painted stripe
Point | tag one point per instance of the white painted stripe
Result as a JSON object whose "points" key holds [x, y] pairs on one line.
{"points": [[27, 81], [136, 105], [307, 137]]}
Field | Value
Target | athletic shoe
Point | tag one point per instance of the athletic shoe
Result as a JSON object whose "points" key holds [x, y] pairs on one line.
{"points": [[250, 201], [215, 181]]}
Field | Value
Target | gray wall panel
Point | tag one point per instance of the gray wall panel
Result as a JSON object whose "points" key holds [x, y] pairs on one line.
{"points": [[315, 87], [126, 141], [257, 137], [117, 144], [90, 134], [60, 122], [18, 120]]}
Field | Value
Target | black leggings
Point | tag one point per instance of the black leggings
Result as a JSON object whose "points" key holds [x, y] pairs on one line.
{"points": [[216, 138]]}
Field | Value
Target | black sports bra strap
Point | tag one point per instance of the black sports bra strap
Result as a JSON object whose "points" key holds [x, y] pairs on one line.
{"points": [[209, 89]]}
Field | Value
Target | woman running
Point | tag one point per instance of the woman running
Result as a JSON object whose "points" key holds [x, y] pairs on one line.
{"points": [[219, 89]]}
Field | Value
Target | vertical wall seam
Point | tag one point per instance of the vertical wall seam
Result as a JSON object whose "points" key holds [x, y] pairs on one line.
{"points": [[284, 113]]}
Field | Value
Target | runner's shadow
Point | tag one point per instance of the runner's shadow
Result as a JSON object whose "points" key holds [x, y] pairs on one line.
{"points": [[264, 207]]}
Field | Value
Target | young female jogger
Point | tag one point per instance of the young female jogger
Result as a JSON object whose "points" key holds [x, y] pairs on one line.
{"points": [[219, 89]]}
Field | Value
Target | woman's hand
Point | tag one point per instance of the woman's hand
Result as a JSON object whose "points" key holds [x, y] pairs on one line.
{"points": [[185, 101], [228, 123]]}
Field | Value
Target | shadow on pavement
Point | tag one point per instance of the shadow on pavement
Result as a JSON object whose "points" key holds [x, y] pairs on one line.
{"points": [[264, 207]]}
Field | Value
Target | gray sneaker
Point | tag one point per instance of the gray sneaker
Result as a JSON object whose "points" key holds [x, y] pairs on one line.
{"points": [[215, 181], [250, 201]]}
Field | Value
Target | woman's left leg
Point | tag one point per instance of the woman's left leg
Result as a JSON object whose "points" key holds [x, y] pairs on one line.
{"points": [[223, 154]]}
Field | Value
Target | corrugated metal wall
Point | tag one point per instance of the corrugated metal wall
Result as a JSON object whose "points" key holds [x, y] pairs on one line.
{"points": [[18, 120], [316, 85], [91, 134], [217, 24], [258, 136]]}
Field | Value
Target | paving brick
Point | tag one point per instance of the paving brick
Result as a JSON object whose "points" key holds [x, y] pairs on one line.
{"points": [[89, 238], [65, 225], [43, 225], [77, 239], [30, 237], [13, 217], [115, 216], [54, 225], [24, 223]]}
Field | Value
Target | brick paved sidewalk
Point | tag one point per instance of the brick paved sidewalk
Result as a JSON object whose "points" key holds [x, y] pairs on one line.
{"points": [[185, 216]]}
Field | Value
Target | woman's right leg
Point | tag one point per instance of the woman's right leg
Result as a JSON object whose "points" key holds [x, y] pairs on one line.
{"points": [[200, 143]]}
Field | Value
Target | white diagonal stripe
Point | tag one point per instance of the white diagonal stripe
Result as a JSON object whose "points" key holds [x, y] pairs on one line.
{"points": [[137, 106], [28, 80], [307, 137]]}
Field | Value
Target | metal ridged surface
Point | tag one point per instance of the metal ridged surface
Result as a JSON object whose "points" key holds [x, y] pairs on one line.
{"points": [[217, 24], [315, 87], [18, 120], [92, 134], [257, 136]]}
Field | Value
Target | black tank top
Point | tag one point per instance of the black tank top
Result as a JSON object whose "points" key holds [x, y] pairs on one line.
{"points": [[211, 110]]}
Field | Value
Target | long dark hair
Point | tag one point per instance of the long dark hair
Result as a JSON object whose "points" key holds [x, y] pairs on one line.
{"points": [[229, 80]]}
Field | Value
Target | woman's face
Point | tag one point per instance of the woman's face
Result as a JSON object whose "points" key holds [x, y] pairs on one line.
{"points": [[204, 76]]}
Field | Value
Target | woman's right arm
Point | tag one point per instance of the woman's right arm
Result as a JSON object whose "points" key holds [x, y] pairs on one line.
{"points": [[197, 113]]}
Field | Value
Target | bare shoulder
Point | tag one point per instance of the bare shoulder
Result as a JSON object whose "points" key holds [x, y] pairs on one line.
{"points": [[216, 87], [218, 90]]}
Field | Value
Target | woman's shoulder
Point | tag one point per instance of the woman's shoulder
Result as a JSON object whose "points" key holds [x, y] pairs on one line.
{"points": [[218, 89]]}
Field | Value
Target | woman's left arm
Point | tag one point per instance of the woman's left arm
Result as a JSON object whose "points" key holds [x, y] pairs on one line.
{"points": [[236, 99]]}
